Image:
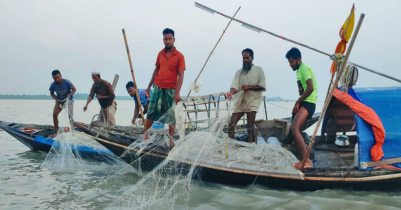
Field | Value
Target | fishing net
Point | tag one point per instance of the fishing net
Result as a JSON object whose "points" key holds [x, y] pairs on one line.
{"points": [[72, 151], [160, 176]]}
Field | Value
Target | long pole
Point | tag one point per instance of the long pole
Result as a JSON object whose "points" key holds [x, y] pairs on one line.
{"points": [[333, 88], [133, 78], [345, 32], [214, 48], [258, 29], [115, 81]]}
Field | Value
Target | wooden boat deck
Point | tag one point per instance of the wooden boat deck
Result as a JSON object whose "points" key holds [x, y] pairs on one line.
{"points": [[328, 159]]}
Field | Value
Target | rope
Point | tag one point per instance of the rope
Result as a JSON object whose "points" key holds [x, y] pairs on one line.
{"points": [[213, 49], [279, 106]]}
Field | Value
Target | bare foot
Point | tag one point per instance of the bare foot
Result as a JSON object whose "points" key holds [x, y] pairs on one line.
{"points": [[298, 165], [171, 143], [52, 136], [146, 137], [66, 129]]}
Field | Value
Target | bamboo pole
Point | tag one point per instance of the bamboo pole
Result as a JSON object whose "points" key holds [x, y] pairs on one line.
{"points": [[102, 140], [214, 48], [333, 88], [115, 81], [258, 29], [354, 179], [133, 79], [345, 32]]}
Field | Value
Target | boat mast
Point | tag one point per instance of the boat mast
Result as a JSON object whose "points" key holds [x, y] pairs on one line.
{"points": [[258, 29], [332, 89]]}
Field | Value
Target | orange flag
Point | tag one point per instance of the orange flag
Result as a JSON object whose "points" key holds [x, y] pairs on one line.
{"points": [[345, 35]]}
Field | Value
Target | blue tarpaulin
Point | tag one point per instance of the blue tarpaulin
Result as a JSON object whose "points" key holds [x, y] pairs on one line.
{"points": [[81, 149], [386, 102]]}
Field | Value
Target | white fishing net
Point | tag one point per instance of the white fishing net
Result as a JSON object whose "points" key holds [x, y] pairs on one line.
{"points": [[160, 177], [76, 152]]}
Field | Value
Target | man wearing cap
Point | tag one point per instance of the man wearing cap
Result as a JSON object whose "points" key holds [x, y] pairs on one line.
{"points": [[64, 90], [105, 95], [247, 85], [167, 80]]}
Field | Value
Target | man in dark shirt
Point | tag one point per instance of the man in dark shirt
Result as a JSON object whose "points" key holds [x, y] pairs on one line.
{"points": [[105, 95], [64, 90]]}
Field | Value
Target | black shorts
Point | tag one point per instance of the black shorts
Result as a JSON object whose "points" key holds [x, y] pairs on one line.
{"points": [[310, 107]]}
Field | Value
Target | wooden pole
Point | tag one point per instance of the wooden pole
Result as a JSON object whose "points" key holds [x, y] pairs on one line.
{"points": [[133, 79], [214, 48], [333, 88], [346, 28], [115, 81], [114, 85]]}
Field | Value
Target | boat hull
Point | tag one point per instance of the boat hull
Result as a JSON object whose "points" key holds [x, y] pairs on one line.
{"points": [[311, 179]]}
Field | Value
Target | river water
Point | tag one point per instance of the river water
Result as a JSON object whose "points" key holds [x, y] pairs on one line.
{"points": [[25, 185]]}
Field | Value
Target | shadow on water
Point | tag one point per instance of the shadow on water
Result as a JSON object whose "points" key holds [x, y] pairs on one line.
{"points": [[33, 156]]}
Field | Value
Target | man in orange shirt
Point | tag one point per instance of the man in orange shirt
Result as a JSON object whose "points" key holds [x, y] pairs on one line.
{"points": [[167, 81]]}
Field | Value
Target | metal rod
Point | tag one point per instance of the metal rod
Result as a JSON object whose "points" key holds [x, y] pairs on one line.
{"points": [[252, 27], [333, 88], [375, 72], [133, 78], [206, 9]]}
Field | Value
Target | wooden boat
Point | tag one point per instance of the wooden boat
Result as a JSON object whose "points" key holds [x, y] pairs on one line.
{"points": [[34, 137], [334, 167]]}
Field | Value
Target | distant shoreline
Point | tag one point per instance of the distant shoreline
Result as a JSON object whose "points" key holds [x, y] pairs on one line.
{"points": [[82, 96]]}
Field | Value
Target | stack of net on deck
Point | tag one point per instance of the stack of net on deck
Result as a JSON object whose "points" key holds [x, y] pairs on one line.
{"points": [[160, 178]]}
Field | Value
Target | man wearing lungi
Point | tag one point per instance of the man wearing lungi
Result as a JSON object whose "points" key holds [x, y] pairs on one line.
{"points": [[167, 80], [105, 95]]}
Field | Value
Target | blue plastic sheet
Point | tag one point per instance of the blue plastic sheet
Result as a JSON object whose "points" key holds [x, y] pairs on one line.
{"points": [[386, 102]]}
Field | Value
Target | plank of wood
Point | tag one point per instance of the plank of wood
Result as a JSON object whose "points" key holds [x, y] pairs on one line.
{"points": [[345, 154], [381, 162], [334, 148]]}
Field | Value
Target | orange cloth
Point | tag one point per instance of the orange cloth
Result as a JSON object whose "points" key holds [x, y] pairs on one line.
{"points": [[167, 75], [345, 35], [370, 116]]}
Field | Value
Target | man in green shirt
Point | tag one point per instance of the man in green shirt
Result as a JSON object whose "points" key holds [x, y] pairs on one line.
{"points": [[305, 106]]}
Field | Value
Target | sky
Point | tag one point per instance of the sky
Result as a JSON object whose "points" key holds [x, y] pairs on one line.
{"points": [[77, 37]]}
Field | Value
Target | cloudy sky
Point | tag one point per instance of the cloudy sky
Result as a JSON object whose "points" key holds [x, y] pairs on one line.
{"points": [[78, 36]]}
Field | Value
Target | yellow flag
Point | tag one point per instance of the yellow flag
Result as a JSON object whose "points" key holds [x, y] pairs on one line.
{"points": [[348, 27], [345, 35]]}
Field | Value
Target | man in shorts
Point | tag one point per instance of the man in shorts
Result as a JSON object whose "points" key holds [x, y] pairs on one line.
{"points": [[304, 107], [64, 90]]}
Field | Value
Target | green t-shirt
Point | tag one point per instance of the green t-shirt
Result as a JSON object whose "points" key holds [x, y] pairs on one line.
{"points": [[304, 73]]}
